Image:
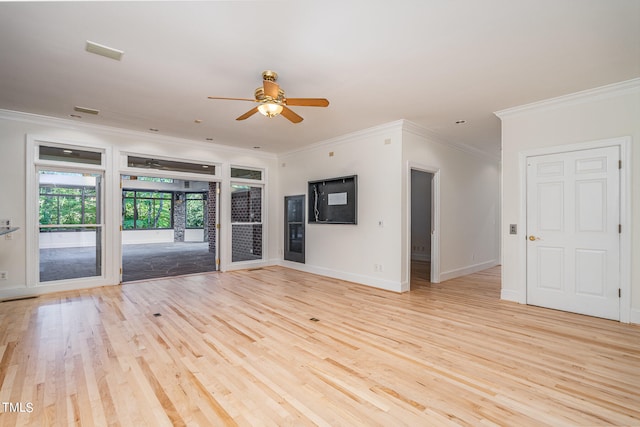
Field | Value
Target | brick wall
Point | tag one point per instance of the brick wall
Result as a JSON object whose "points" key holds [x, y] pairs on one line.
{"points": [[210, 223], [179, 216]]}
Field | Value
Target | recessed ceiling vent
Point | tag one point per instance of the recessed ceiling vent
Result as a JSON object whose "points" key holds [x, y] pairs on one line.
{"points": [[86, 110], [102, 50]]}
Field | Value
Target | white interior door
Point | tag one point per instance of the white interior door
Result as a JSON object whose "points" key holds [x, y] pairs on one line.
{"points": [[573, 237]]}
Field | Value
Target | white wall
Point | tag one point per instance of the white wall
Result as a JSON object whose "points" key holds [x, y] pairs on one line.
{"points": [[599, 114], [351, 252], [469, 201], [194, 235], [14, 129], [380, 157], [133, 237]]}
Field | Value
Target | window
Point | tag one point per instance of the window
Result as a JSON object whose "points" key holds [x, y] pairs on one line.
{"points": [[72, 155], [69, 225], [67, 205], [195, 210], [246, 173], [171, 165], [145, 210]]}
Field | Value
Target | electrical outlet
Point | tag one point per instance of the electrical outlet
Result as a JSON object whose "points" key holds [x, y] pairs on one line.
{"points": [[4, 275], [513, 228]]}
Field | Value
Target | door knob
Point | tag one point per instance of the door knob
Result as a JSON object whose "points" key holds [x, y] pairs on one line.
{"points": [[533, 238]]}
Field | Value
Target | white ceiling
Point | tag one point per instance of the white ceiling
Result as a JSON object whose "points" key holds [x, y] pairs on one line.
{"points": [[432, 62]]}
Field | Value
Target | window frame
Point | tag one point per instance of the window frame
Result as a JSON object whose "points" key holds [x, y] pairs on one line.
{"points": [[135, 208]]}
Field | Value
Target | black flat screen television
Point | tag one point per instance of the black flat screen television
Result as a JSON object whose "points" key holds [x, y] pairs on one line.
{"points": [[333, 200]]}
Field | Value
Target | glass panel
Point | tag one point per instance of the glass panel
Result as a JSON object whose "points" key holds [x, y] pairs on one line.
{"points": [[246, 203], [79, 256], [70, 241], [246, 242], [170, 165], [195, 210], [146, 210], [69, 155], [246, 173], [294, 210], [128, 212], [296, 232]]}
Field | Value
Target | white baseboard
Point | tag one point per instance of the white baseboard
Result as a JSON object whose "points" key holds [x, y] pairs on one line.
{"points": [[452, 274], [634, 316], [24, 291], [375, 282], [510, 295]]}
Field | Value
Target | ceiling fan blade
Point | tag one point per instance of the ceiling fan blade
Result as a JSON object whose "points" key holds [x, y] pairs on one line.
{"points": [[271, 89], [307, 102], [248, 114], [289, 114], [232, 99]]}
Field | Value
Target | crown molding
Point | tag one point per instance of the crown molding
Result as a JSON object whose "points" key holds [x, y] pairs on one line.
{"points": [[432, 136], [384, 129], [114, 131], [372, 131], [598, 93]]}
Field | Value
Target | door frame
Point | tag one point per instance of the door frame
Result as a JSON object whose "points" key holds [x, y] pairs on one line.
{"points": [[33, 165], [624, 144], [435, 218]]}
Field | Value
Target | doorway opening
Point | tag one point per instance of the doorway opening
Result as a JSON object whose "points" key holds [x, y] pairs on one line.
{"points": [[423, 251], [169, 227]]}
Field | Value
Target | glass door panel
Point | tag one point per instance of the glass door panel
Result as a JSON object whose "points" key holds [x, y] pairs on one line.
{"points": [[294, 228], [70, 225], [246, 222]]}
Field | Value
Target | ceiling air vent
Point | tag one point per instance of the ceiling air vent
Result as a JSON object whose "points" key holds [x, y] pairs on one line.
{"points": [[102, 50], [86, 110]]}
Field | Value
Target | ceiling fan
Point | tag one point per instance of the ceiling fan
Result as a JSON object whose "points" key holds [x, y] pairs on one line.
{"points": [[272, 101]]}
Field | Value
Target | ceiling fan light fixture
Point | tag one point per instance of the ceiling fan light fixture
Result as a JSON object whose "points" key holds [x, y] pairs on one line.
{"points": [[270, 109]]}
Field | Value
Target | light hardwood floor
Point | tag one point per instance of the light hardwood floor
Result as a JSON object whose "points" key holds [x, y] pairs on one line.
{"points": [[239, 348]]}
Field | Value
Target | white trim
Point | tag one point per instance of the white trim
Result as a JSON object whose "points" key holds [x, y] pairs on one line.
{"points": [[602, 92], [229, 263], [398, 125], [388, 285], [33, 165], [120, 132], [125, 169], [510, 295], [634, 316], [49, 287], [624, 144], [470, 269], [349, 137], [435, 218], [417, 130]]}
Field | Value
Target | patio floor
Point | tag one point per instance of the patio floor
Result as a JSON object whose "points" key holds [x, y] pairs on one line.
{"points": [[139, 262]]}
